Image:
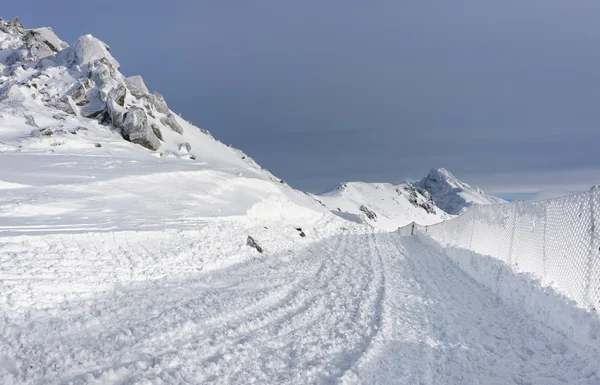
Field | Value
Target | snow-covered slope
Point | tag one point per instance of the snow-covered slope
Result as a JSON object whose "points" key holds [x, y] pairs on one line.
{"points": [[69, 111], [452, 195], [382, 205], [84, 147]]}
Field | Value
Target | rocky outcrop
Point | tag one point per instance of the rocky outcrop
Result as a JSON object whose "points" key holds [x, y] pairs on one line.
{"points": [[370, 214], [90, 84], [158, 102], [171, 122], [185, 147], [136, 86], [137, 130], [252, 243], [116, 113]]}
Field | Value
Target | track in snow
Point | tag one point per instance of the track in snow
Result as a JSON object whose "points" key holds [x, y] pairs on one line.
{"points": [[354, 309]]}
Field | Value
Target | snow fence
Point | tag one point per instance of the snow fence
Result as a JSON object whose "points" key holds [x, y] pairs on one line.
{"points": [[558, 240]]}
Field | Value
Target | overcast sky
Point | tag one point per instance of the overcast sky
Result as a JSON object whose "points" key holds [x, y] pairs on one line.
{"points": [[505, 94]]}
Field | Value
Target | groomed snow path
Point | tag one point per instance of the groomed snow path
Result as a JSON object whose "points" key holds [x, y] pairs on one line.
{"points": [[354, 309]]}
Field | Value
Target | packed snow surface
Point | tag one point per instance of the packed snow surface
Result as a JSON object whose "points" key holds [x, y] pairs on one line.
{"points": [[137, 307]]}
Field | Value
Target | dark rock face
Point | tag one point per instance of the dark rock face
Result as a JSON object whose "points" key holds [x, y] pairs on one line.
{"points": [[252, 243], [157, 132], [116, 113], [137, 130], [158, 102], [171, 122], [426, 202], [370, 214]]}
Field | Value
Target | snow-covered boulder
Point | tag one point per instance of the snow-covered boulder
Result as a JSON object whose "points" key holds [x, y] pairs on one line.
{"points": [[137, 130], [85, 51], [136, 86], [116, 113], [42, 42], [171, 121], [158, 102]]}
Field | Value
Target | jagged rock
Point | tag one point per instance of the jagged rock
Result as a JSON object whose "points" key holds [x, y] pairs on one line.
{"points": [[64, 104], [136, 86], [50, 38], [94, 110], [252, 243], [11, 94], [87, 49], [207, 133], [428, 205], [370, 214], [185, 147], [30, 121], [157, 132], [116, 113], [13, 58], [78, 94], [118, 95], [171, 122], [137, 130], [42, 42], [158, 102]]}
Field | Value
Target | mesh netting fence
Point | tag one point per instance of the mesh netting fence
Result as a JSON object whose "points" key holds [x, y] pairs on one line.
{"points": [[557, 239]]}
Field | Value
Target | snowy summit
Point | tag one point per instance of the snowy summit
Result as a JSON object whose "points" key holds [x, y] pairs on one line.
{"points": [[452, 195]]}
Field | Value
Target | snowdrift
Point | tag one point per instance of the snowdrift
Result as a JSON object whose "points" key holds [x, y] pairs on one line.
{"points": [[558, 240]]}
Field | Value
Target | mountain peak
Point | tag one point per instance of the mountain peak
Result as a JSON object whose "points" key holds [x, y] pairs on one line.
{"points": [[451, 194]]}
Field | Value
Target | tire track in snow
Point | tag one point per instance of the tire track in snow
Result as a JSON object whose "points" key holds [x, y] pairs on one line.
{"points": [[378, 287]]}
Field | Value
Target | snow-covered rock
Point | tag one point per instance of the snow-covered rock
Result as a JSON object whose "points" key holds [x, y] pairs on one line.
{"points": [[137, 130], [88, 50], [38, 71], [382, 205], [136, 86], [452, 195], [61, 102]]}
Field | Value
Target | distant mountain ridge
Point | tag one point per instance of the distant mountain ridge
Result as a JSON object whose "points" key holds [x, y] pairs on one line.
{"points": [[452, 195], [437, 197], [382, 205]]}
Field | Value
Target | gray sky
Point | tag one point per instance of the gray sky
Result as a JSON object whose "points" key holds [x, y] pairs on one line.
{"points": [[505, 94]]}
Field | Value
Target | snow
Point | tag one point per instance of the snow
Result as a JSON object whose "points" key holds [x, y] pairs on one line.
{"points": [[390, 203], [120, 265], [136, 85], [452, 195], [557, 240], [48, 35], [166, 307], [89, 49]]}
